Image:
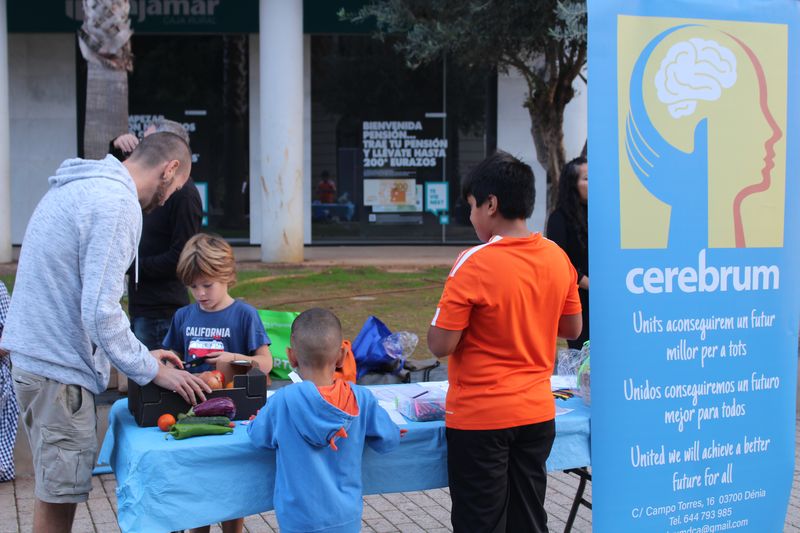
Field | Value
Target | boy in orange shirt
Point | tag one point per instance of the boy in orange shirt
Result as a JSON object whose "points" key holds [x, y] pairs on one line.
{"points": [[503, 305]]}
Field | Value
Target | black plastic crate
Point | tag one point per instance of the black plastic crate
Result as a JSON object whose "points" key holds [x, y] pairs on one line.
{"points": [[147, 403]]}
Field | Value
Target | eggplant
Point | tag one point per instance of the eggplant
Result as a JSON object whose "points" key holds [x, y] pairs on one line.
{"points": [[222, 406]]}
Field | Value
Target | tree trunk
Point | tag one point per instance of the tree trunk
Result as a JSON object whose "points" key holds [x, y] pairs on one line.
{"points": [[106, 108], [104, 39], [547, 130]]}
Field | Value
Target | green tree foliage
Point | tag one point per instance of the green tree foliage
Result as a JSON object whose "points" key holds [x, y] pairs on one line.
{"points": [[545, 40]]}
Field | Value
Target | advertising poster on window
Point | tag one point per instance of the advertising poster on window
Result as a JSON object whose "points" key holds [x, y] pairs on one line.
{"points": [[694, 263], [395, 155]]}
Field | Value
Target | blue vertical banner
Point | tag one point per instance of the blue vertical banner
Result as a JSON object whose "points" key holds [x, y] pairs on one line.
{"points": [[693, 129]]}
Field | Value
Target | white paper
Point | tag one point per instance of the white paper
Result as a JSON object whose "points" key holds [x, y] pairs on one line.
{"points": [[295, 377], [393, 393], [563, 382], [394, 414]]}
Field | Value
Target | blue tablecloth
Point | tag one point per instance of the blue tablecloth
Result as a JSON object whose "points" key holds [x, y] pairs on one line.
{"points": [[168, 485]]}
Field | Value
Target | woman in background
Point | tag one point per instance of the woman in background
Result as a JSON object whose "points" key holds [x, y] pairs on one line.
{"points": [[9, 408], [567, 226]]}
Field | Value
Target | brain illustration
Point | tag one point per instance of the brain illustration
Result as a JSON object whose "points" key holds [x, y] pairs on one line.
{"points": [[694, 70]]}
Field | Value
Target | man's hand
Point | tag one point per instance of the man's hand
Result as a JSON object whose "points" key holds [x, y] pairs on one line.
{"points": [[189, 386], [167, 357], [126, 142]]}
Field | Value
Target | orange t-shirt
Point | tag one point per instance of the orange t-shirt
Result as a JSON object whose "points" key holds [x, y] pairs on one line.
{"points": [[507, 296]]}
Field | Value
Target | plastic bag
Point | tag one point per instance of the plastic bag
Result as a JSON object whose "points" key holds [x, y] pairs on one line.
{"points": [[368, 350], [569, 361], [278, 325], [584, 376], [400, 346]]}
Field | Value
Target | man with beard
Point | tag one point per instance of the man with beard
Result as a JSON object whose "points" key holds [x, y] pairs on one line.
{"points": [[66, 325]]}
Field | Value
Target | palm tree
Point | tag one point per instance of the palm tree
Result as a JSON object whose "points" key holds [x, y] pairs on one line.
{"points": [[104, 39]]}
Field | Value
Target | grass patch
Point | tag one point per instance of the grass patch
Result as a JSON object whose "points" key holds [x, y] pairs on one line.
{"points": [[404, 301]]}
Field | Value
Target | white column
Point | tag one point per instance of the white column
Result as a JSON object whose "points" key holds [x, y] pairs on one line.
{"points": [[5, 165], [281, 102]]}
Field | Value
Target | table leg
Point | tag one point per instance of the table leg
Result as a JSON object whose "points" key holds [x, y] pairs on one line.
{"points": [[585, 476]]}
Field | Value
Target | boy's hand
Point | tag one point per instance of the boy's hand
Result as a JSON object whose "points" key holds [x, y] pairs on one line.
{"points": [[189, 386], [168, 358], [215, 358]]}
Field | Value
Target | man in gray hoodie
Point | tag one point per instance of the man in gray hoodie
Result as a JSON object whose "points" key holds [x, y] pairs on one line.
{"points": [[66, 325]]}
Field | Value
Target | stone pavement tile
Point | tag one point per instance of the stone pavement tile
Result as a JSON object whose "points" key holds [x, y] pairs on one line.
{"points": [[104, 517], [412, 528], [270, 519], [439, 513], [396, 498], [379, 503], [7, 500], [24, 485], [6, 487], [381, 525], [369, 512], [439, 530], [82, 512], [25, 505], [421, 499], [396, 517], [8, 515], [83, 526], [421, 518], [99, 505], [256, 524], [409, 507]]}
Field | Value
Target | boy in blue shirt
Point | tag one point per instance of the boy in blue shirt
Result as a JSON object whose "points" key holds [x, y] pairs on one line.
{"points": [[322, 424], [217, 329]]}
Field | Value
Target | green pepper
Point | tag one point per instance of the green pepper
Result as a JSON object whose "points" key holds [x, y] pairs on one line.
{"points": [[184, 431]]}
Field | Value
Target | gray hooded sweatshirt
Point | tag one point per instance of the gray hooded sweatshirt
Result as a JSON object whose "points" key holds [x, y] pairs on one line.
{"points": [[66, 321]]}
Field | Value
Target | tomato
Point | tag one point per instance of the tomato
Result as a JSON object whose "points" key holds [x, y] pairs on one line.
{"points": [[229, 385], [165, 422], [211, 379]]}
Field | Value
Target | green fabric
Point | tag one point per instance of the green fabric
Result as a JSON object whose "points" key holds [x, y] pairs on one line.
{"points": [[279, 328]]}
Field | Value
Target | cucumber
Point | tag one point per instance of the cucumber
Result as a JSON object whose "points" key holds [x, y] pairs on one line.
{"points": [[213, 420]]}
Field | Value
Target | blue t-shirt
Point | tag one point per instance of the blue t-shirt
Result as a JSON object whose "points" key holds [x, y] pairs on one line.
{"points": [[196, 333]]}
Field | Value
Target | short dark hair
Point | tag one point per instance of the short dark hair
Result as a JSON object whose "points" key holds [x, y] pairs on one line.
{"points": [[161, 147], [506, 178], [316, 337]]}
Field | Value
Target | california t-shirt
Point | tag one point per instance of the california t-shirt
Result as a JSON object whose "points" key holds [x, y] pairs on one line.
{"points": [[196, 333]]}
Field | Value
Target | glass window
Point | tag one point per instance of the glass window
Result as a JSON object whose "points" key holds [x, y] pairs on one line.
{"points": [[200, 81], [389, 144]]}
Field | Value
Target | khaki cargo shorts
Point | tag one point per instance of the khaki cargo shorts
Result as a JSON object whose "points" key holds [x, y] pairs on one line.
{"points": [[61, 425]]}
